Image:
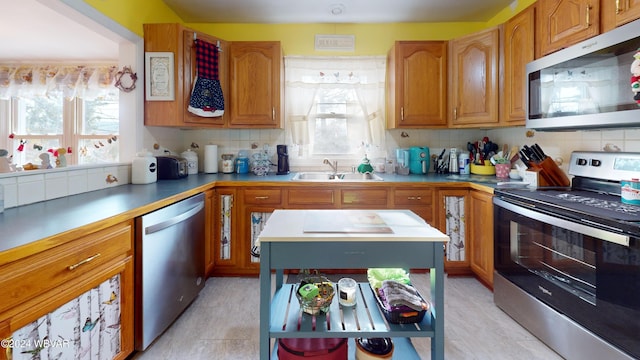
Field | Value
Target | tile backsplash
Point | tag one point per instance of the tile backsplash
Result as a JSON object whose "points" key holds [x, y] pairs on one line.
{"points": [[27, 187]]}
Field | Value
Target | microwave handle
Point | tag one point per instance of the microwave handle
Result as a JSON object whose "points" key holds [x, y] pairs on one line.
{"points": [[565, 224]]}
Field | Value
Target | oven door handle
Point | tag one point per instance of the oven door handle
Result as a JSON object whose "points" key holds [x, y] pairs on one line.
{"points": [[565, 224]]}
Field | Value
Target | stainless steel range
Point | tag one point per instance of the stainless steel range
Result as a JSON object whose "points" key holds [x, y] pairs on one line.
{"points": [[567, 260]]}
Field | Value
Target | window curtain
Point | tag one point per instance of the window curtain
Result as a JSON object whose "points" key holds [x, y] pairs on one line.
{"points": [[87, 82], [305, 76]]}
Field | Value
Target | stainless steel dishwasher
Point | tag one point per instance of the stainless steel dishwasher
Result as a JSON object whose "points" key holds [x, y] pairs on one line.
{"points": [[169, 266]]}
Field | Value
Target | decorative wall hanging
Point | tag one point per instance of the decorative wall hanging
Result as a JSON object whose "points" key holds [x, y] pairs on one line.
{"points": [[159, 76], [126, 79]]}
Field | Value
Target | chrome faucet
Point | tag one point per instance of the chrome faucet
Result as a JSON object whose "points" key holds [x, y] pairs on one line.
{"points": [[334, 165]]}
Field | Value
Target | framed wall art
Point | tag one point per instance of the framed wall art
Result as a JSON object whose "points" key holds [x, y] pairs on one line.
{"points": [[159, 76]]}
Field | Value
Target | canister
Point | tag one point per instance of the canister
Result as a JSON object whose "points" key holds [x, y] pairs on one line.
{"points": [[228, 165], [630, 191], [242, 165], [192, 161], [143, 168]]}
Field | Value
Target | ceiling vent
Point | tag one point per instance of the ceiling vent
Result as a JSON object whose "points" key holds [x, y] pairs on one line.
{"points": [[335, 43]]}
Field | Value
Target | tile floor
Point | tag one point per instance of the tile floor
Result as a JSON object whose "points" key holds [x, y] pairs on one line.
{"points": [[222, 323]]}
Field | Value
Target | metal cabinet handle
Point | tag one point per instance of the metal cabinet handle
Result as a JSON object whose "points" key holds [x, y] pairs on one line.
{"points": [[89, 259], [455, 113], [273, 113], [402, 113], [414, 197], [261, 197], [589, 15]]}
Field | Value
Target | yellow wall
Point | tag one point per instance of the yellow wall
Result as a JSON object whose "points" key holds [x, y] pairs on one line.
{"points": [[370, 39], [298, 39], [133, 13]]}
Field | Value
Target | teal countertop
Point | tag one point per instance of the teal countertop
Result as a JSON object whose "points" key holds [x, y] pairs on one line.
{"points": [[29, 223]]}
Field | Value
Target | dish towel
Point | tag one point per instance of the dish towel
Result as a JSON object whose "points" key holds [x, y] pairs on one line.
{"points": [[207, 99]]}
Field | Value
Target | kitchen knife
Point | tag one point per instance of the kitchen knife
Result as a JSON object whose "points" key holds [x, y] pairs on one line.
{"points": [[538, 150], [524, 158]]}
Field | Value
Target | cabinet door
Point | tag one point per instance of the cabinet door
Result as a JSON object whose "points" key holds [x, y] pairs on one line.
{"points": [[93, 311], [618, 12], [626, 11], [176, 39], [474, 79], [566, 22], [311, 198], [417, 84], [257, 204], [256, 84], [226, 252], [518, 51], [481, 236], [253, 221], [190, 72], [360, 198], [209, 231], [453, 212]]}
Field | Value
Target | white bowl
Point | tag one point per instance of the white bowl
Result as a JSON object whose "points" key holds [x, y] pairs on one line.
{"points": [[514, 174]]}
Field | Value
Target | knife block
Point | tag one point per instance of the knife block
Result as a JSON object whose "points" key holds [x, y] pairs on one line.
{"points": [[549, 174]]}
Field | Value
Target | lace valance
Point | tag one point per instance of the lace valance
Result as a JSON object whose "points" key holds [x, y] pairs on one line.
{"points": [[84, 81]]}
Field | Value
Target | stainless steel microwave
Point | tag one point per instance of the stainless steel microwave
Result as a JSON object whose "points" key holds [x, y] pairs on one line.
{"points": [[587, 85]]}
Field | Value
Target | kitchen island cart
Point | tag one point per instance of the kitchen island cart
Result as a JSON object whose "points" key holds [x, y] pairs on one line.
{"points": [[348, 239]]}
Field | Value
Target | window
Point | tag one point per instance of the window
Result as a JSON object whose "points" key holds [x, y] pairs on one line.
{"points": [[334, 107], [45, 121]]}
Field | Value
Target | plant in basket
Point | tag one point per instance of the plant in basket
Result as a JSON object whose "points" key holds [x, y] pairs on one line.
{"points": [[314, 292]]}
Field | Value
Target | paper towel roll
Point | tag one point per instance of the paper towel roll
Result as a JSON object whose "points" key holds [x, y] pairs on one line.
{"points": [[211, 159]]}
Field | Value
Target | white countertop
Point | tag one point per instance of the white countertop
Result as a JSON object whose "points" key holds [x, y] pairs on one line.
{"points": [[348, 225]]}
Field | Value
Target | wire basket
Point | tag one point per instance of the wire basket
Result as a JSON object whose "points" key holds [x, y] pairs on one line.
{"points": [[322, 301]]}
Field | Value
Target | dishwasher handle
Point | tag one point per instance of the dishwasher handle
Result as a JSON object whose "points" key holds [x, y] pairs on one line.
{"points": [[174, 220]]}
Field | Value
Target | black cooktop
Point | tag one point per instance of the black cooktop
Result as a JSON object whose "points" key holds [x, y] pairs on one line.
{"points": [[605, 209]]}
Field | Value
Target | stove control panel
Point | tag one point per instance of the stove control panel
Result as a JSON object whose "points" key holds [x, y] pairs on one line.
{"points": [[614, 166]]}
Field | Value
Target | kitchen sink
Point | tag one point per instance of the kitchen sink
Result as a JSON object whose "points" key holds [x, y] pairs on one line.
{"points": [[324, 176]]}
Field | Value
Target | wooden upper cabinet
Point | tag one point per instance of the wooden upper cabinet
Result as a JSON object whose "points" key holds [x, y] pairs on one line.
{"points": [[518, 50], [417, 85], [256, 73], [474, 79], [565, 22], [179, 40], [618, 12]]}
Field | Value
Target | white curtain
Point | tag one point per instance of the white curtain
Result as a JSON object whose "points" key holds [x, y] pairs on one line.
{"points": [[84, 81], [305, 76]]}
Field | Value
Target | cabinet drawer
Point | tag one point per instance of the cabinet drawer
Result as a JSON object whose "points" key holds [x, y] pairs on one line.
{"points": [[28, 277], [262, 196], [413, 197], [365, 197], [312, 196]]}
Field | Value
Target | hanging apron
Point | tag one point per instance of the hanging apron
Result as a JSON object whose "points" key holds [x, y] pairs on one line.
{"points": [[207, 99]]}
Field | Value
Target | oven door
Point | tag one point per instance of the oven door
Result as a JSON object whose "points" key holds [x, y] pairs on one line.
{"points": [[588, 274]]}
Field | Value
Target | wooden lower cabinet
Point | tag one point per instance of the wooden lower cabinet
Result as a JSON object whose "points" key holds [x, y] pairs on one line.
{"points": [[453, 218], [418, 200], [209, 231], [481, 235], [225, 245], [240, 214], [363, 198], [91, 309]]}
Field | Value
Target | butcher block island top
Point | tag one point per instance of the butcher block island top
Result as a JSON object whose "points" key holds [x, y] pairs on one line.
{"points": [[348, 225], [348, 239]]}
